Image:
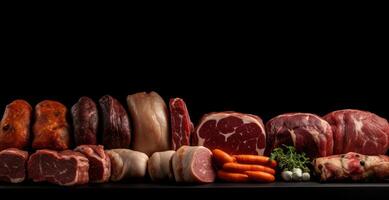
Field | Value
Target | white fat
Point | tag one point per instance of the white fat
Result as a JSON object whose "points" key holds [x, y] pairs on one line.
{"points": [[174, 100], [358, 125], [293, 136], [11, 151], [187, 164], [40, 166], [177, 164], [218, 116], [307, 115], [364, 143], [248, 119], [260, 151], [325, 124], [16, 180], [63, 171], [227, 135], [181, 116], [201, 140]]}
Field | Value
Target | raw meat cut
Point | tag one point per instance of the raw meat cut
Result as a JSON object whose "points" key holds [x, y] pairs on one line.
{"points": [[13, 165], [159, 166], [352, 166], [99, 162], [150, 117], [116, 126], [358, 131], [127, 163], [181, 125], [232, 132], [308, 133], [62, 168], [15, 125], [193, 164], [51, 130], [85, 121]]}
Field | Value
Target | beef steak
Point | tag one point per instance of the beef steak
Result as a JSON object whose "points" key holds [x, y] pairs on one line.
{"points": [[13, 165], [62, 168], [232, 132], [307, 132], [99, 162], [358, 131], [181, 126]]}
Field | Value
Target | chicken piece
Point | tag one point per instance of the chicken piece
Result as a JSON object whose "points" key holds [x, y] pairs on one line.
{"points": [[150, 117], [51, 130], [15, 125]]}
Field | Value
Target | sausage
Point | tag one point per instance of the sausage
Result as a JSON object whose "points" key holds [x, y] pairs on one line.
{"points": [[15, 125], [116, 126], [85, 121], [51, 130]]}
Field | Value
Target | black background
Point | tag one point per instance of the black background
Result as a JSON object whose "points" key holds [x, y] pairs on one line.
{"points": [[261, 74], [260, 65]]}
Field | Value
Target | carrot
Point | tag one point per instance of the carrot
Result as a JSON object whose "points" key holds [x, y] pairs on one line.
{"points": [[254, 159], [241, 168], [222, 157], [232, 177], [260, 176]]}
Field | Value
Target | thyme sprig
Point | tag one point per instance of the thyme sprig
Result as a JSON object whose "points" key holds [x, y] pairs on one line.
{"points": [[288, 158]]}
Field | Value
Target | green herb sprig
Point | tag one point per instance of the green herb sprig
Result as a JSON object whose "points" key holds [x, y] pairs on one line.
{"points": [[288, 158]]}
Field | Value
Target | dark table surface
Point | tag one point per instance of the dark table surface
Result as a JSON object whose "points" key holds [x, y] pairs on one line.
{"points": [[129, 185], [278, 189]]}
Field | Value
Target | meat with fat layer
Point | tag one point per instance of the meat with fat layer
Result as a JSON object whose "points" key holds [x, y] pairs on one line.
{"points": [[359, 131], [181, 126], [232, 132], [13, 165], [99, 162], [193, 164], [307, 132], [62, 168]]}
